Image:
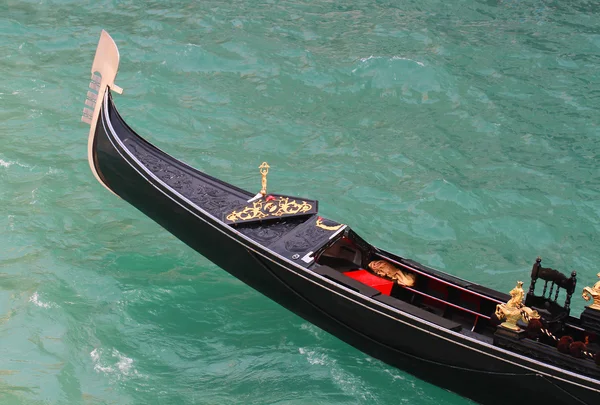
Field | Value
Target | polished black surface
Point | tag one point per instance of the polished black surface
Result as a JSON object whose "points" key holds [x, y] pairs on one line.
{"points": [[442, 340]]}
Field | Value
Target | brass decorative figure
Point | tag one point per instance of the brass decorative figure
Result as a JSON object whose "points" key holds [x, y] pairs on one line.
{"points": [[264, 170], [514, 309], [321, 225], [593, 292], [386, 269]]}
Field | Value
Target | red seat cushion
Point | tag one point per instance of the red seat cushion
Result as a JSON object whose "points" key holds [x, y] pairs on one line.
{"points": [[381, 284]]}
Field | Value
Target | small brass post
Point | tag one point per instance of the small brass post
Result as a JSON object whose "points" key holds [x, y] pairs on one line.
{"points": [[264, 170]]}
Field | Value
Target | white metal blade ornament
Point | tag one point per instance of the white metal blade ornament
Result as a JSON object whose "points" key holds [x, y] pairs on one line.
{"points": [[104, 71]]}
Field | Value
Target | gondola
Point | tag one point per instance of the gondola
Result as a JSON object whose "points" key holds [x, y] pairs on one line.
{"points": [[486, 345]]}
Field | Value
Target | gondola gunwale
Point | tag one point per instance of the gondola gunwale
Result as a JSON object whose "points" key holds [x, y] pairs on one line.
{"points": [[317, 279]]}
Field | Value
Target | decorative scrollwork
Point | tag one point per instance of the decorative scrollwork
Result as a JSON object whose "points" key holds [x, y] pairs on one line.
{"points": [[250, 212], [290, 207], [321, 225], [195, 187], [269, 207], [267, 234]]}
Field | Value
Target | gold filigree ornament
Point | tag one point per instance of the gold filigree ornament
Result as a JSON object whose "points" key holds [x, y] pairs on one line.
{"points": [[321, 225], [248, 213], [290, 207], [593, 292], [514, 310], [269, 207]]}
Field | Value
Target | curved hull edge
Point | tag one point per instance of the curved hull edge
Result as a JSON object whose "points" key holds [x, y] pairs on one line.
{"points": [[413, 347]]}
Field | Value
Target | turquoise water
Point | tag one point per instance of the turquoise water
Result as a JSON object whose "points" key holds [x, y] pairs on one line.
{"points": [[461, 134]]}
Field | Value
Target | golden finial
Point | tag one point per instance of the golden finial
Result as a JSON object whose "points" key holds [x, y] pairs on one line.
{"points": [[593, 292], [264, 170]]}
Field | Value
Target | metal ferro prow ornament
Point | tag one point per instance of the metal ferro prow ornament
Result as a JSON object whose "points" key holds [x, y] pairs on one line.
{"points": [[264, 170], [593, 292]]}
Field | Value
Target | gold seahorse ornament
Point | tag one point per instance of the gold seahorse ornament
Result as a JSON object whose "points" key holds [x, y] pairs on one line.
{"points": [[514, 310], [593, 292]]}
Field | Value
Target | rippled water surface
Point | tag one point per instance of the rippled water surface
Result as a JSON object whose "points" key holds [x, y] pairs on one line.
{"points": [[461, 134]]}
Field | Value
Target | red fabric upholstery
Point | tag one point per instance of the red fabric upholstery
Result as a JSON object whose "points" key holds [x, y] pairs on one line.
{"points": [[381, 284]]}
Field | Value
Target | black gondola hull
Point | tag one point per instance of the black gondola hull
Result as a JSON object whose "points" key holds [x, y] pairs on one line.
{"points": [[443, 357]]}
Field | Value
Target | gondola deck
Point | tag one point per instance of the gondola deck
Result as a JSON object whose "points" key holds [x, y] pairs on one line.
{"points": [[430, 323]]}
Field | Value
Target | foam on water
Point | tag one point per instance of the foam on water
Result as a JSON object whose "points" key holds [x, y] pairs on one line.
{"points": [[35, 299], [392, 58], [313, 357], [112, 362]]}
